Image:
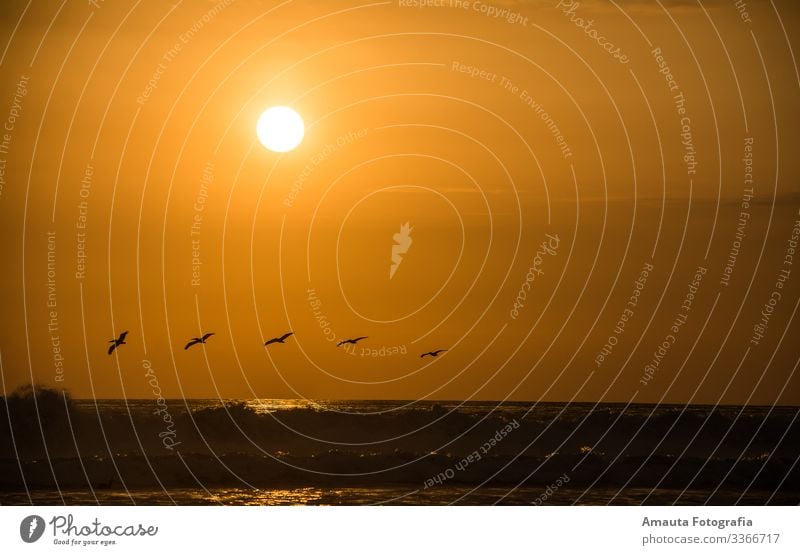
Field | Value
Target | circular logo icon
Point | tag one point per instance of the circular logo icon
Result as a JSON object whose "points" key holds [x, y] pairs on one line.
{"points": [[31, 528]]}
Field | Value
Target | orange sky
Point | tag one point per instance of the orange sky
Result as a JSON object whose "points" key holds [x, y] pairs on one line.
{"points": [[485, 133]]}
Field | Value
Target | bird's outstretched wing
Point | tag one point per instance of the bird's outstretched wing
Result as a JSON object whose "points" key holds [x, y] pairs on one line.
{"points": [[206, 336], [353, 341], [280, 339], [194, 341], [122, 335], [423, 355], [437, 352], [112, 347]]}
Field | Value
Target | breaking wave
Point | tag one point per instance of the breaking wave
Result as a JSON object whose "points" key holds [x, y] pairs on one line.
{"points": [[49, 440]]}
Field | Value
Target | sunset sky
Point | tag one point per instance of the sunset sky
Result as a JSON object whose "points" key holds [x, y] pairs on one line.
{"points": [[130, 158]]}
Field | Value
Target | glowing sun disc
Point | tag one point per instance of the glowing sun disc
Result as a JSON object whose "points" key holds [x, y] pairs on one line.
{"points": [[280, 129]]}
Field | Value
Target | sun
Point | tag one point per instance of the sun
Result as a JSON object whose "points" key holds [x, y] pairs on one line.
{"points": [[280, 129]]}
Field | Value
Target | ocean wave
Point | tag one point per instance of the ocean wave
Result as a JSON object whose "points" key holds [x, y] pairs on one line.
{"points": [[337, 468], [57, 441]]}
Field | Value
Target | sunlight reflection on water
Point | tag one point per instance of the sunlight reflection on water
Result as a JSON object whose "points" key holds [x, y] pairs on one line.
{"points": [[383, 495]]}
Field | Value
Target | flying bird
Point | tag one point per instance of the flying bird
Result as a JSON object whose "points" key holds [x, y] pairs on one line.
{"points": [[197, 340], [433, 353], [353, 341], [117, 342], [280, 339]]}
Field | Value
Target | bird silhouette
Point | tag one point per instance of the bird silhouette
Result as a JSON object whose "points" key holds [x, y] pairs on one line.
{"points": [[197, 340], [117, 342], [432, 353], [353, 341], [280, 339]]}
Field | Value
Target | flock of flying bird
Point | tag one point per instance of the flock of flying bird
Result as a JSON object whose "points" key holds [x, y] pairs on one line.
{"points": [[202, 340]]}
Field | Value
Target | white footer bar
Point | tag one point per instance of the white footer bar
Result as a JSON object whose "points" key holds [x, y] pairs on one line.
{"points": [[390, 530]]}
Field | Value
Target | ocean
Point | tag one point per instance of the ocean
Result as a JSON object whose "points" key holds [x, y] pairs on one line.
{"points": [[275, 452]]}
